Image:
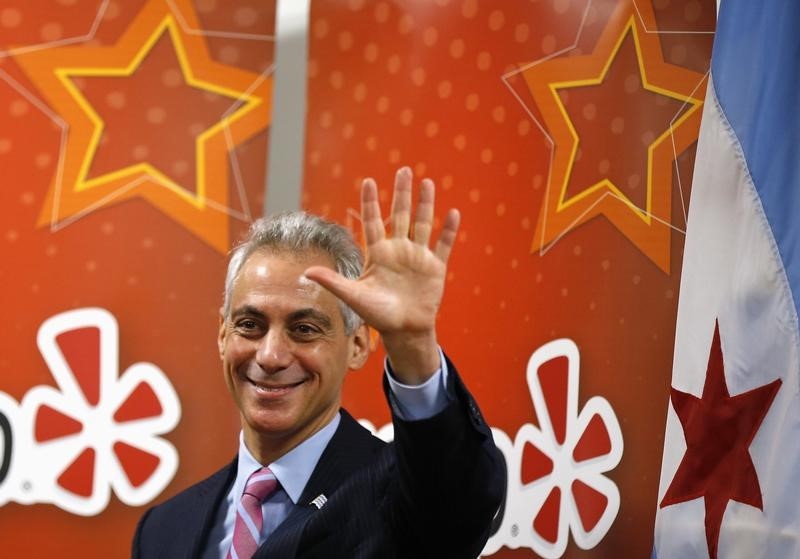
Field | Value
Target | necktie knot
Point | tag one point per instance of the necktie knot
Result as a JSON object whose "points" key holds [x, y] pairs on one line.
{"points": [[261, 484]]}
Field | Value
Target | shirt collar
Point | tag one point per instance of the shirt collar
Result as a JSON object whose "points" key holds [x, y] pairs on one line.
{"points": [[294, 468]]}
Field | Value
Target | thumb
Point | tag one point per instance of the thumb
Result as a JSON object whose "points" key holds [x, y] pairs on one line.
{"points": [[334, 282]]}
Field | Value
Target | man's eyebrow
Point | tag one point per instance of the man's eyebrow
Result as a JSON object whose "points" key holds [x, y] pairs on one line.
{"points": [[247, 310], [316, 315]]}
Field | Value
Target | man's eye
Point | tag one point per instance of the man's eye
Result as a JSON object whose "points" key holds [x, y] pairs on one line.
{"points": [[247, 325], [306, 329]]}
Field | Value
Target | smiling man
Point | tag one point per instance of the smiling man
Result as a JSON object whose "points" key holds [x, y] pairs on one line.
{"points": [[285, 350], [308, 480]]}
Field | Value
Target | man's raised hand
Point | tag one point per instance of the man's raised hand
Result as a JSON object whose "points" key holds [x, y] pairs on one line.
{"points": [[401, 287]]}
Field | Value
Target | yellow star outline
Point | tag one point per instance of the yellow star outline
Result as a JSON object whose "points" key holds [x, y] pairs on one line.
{"points": [[204, 212], [167, 24], [560, 214], [645, 214]]}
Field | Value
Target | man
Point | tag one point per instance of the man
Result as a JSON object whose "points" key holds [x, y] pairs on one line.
{"points": [[309, 481]]}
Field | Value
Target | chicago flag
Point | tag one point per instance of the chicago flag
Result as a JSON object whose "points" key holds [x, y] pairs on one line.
{"points": [[730, 475]]}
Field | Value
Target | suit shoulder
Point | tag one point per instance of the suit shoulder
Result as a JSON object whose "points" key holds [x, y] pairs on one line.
{"points": [[208, 488], [183, 520], [358, 435]]}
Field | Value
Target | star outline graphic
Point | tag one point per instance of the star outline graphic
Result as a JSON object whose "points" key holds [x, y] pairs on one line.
{"points": [[648, 228], [167, 25], [203, 212], [694, 104]]}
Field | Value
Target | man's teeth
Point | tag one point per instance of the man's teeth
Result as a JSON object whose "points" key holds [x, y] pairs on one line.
{"points": [[262, 388], [270, 388]]}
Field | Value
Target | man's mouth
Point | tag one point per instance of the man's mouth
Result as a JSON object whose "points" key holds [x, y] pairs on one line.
{"points": [[274, 388]]}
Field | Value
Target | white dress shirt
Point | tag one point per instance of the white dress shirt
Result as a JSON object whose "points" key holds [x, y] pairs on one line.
{"points": [[294, 468]]}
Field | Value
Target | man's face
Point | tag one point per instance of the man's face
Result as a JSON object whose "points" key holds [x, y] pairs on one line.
{"points": [[284, 350]]}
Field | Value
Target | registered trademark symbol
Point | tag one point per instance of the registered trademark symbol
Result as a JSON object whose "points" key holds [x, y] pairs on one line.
{"points": [[26, 486], [514, 530]]}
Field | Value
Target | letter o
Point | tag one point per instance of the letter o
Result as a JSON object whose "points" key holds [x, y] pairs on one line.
{"points": [[8, 442]]}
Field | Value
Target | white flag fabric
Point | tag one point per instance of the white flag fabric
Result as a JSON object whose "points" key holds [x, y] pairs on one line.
{"points": [[730, 476]]}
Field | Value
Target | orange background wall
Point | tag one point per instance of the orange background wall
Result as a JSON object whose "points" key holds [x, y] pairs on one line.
{"points": [[458, 90]]}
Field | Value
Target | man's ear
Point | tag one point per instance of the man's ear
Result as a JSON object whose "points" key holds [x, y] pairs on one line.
{"points": [[221, 335], [359, 347]]}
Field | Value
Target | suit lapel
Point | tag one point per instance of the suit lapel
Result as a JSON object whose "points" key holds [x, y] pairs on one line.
{"points": [[351, 448], [200, 519]]}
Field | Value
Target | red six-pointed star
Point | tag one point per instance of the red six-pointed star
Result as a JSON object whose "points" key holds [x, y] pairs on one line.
{"points": [[718, 429]]}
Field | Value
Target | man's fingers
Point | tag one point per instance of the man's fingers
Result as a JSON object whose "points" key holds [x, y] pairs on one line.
{"points": [[401, 203], [371, 220], [332, 281], [423, 222], [448, 237]]}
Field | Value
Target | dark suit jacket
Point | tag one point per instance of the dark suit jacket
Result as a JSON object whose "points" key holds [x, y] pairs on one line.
{"points": [[431, 493]]}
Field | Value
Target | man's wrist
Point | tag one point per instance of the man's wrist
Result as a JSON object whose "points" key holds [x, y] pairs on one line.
{"points": [[419, 401], [413, 358]]}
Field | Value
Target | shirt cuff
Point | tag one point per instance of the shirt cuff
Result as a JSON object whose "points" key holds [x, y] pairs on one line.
{"points": [[420, 401]]}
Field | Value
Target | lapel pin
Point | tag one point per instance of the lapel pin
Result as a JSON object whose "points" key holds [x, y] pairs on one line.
{"points": [[320, 501]]}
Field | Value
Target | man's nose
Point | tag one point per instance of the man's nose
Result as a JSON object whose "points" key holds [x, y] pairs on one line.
{"points": [[274, 351]]}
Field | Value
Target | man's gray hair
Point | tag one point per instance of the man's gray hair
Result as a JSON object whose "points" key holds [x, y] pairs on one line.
{"points": [[298, 232]]}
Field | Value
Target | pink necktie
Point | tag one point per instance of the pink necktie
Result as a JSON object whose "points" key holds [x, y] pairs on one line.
{"points": [[247, 530]]}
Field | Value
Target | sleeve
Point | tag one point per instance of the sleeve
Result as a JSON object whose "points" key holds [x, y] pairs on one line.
{"points": [[413, 402], [450, 479], [136, 546]]}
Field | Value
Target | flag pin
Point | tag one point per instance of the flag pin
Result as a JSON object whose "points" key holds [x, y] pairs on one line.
{"points": [[320, 501]]}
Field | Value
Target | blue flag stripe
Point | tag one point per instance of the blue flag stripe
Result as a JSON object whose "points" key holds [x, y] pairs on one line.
{"points": [[756, 72]]}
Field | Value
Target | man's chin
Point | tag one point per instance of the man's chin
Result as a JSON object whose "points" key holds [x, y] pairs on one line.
{"points": [[271, 425]]}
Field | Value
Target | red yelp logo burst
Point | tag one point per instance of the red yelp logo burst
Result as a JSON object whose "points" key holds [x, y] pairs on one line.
{"points": [[99, 430], [561, 487]]}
